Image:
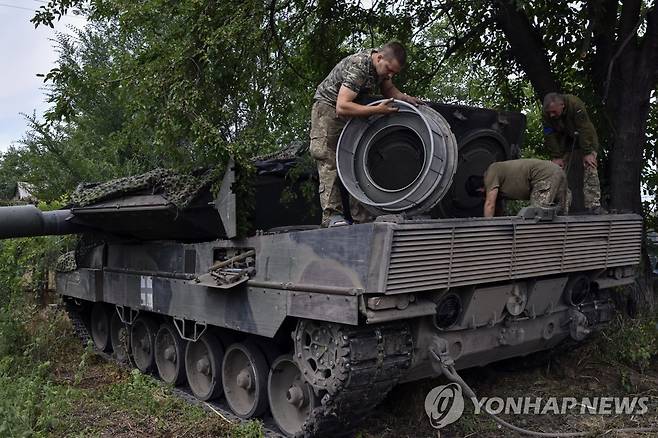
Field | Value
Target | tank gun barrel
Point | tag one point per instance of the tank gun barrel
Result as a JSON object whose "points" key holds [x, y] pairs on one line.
{"points": [[29, 221]]}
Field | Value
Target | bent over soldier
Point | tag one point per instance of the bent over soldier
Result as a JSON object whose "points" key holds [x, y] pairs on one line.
{"points": [[334, 103], [567, 126], [542, 182]]}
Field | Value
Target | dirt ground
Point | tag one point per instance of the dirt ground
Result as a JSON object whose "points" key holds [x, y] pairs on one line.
{"points": [[570, 371]]}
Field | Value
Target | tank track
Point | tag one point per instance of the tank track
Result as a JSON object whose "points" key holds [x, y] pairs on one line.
{"points": [[79, 327], [371, 361], [81, 331]]}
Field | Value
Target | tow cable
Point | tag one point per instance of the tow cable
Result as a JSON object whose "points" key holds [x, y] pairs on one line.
{"points": [[447, 365]]}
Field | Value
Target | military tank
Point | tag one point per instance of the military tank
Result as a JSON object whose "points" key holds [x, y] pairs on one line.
{"points": [[316, 325]]}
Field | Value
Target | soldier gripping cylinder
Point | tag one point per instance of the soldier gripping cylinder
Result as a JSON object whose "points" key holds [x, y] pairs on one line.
{"points": [[401, 162]]}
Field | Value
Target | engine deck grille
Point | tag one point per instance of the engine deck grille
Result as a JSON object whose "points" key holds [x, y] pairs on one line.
{"points": [[440, 254]]}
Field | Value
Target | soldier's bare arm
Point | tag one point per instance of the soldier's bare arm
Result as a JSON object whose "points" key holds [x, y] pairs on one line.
{"points": [[389, 90], [490, 203], [346, 107]]}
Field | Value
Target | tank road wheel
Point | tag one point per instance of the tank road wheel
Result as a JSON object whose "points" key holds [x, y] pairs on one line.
{"points": [[244, 376], [120, 338], [291, 399], [203, 364], [100, 327], [142, 340], [170, 355]]}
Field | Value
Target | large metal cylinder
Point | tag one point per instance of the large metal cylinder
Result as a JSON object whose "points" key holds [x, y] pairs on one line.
{"points": [[28, 221], [400, 162]]}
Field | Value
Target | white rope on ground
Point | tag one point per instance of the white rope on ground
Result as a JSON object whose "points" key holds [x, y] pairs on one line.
{"points": [[218, 413]]}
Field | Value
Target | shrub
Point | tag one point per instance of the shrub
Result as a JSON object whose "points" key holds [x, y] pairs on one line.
{"points": [[633, 342]]}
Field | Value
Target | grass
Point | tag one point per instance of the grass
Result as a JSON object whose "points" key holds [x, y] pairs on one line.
{"points": [[67, 391], [51, 386]]}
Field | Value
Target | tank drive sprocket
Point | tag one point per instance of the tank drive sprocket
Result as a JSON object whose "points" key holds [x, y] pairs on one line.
{"points": [[351, 369]]}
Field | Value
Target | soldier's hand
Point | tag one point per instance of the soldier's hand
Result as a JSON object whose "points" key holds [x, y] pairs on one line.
{"points": [[589, 160], [559, 162], [412, 100], [385, 107]]}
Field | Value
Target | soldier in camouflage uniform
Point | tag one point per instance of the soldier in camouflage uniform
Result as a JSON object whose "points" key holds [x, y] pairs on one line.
{"points": [[541, 182], [334, 103], [567, 125]]}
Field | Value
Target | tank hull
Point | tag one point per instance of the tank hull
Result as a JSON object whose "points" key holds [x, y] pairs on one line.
{"points": [[381, 272]]}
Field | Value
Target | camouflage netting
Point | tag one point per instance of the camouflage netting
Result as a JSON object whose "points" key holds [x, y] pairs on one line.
{"points": [[66, 262], [8, 190], [179, 189], [292, 150]]}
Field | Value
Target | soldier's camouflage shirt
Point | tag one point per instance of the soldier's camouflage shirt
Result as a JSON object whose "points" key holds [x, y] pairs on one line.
{"points": [[356, 72], [559, 132]]}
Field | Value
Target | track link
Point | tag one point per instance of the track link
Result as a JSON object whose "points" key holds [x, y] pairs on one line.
{"points": [[370, 363]]}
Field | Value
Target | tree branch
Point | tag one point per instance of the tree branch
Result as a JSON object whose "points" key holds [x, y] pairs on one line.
{"points": [[527, 46], [616, 55], [452, 48], [282, 52]]}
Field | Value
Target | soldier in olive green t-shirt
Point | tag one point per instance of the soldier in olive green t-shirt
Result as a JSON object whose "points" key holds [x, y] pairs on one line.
{"points": [[542, 182], [567, 126]]}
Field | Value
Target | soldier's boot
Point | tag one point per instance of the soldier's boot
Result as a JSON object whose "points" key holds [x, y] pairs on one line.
{"points": [[337, 220]]}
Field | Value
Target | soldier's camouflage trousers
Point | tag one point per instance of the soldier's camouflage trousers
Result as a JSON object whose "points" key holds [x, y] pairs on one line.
{"points": [[325, 131], [552, 191], [591, 185]]}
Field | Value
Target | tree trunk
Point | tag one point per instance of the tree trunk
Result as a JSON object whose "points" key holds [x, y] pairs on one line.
{"points": [[625, 153], [627, 107], [527, 46]]}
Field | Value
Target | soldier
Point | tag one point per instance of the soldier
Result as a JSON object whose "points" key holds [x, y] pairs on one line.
{"points": [[542, 182], [334, 103], [567, 126]]}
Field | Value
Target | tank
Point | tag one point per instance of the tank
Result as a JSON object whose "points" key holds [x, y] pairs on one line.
{"points": [[314, 326]]}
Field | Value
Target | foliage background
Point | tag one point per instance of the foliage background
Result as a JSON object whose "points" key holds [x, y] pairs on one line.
{"points": [[184, 84]]}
